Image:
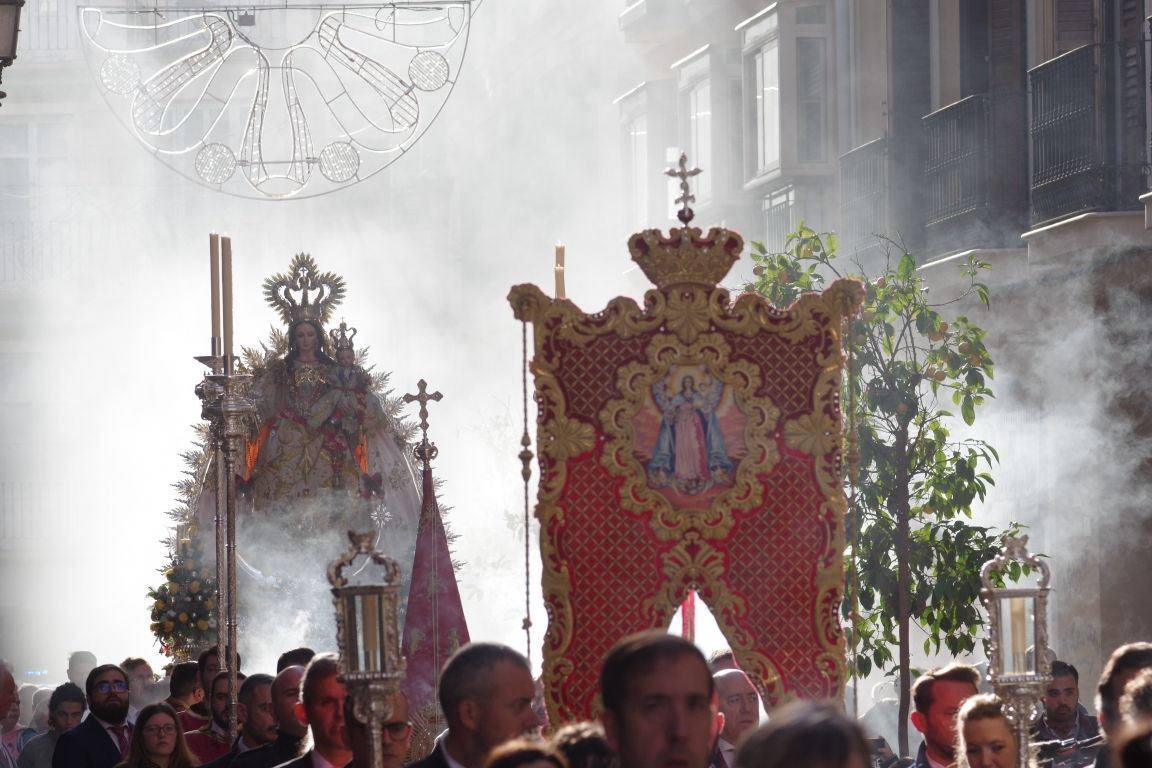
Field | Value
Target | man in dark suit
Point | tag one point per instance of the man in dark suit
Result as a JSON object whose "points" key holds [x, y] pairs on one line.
{"points": [[321, 707], [486, 693], [290, 732], [102, 739], [254, 711]]}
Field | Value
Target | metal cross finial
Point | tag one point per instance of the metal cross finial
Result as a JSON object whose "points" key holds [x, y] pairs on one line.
{"points": [[425, 451], [684, 173]]}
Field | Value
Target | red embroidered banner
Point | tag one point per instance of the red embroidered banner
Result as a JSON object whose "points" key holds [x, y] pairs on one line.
{"points": [[693, 443]]}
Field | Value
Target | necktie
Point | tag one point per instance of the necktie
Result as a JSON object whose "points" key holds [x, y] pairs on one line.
{"points": [[121, 734]]}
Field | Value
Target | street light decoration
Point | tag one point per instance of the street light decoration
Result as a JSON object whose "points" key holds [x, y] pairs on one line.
{"points": [[9, 31], [273, 103]]}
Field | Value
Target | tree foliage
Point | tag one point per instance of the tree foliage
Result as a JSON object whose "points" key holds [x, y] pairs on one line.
{"points": [[914, 556]]}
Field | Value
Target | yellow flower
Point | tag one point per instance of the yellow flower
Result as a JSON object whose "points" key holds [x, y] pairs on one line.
{"points": [[173, 587], [183, 617], [209, 604], [194, 587], [168, 627], [202, 625], [160, 605]]}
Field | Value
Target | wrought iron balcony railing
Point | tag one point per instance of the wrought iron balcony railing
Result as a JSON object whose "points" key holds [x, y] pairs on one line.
{"points": [[1087, 131], [864, 198], [956, 160]]}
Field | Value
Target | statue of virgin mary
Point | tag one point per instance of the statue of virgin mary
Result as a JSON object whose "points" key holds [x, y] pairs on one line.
{"points": [[327, 454]]}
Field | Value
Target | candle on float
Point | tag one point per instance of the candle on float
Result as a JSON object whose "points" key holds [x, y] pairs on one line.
{"points": [[226, 269], [214, 269], [559, 269]]}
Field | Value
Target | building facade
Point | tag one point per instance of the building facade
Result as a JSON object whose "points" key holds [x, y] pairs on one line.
{"points": [[1015, 129]]}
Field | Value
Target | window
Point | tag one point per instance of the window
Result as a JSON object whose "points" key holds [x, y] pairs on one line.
{"points": [[700, 138], [811, 109], [761, 45], [637, 138], [647, 125], [696, 107], [766, 109], [37, 205]]}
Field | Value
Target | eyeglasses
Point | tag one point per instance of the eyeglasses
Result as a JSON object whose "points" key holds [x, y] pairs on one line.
{"points": [[397, 730], [105, 686], [167, 730]]}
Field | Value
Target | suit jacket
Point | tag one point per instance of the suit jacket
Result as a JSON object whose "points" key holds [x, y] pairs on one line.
{"points": [[435, 760], [226, 759], [304, 761], [282, 750], [87, 745]]}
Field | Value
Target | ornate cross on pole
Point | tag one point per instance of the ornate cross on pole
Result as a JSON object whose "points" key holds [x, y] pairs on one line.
{"points": [[684, 173], [425, 451]]}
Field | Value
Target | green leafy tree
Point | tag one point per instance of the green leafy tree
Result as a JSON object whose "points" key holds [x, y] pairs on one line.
{"points": [[914, 556]]}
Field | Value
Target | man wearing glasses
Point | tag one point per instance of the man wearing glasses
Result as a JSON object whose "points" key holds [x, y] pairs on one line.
{"points": [[395, 735], [101, 740]]}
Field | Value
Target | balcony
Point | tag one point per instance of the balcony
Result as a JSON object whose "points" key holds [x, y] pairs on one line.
{"points": [[50, 31], [651, 21], [864, 215], [956, 160], [1087, 131], [975, 183], [32, 250]]}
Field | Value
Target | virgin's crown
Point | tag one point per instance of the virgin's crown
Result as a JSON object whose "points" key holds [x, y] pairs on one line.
{"points": [[340, 337], [304, 293]]}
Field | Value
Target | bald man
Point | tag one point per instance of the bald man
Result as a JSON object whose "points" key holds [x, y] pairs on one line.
{"points": [[290, 732], [740, 706]]}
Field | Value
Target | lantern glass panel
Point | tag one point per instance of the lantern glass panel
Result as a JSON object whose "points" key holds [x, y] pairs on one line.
{"points": [[1018, 635], [369, 615]]}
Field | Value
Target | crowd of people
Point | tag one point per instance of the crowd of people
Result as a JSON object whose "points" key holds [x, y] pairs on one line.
{"points": [[662, 705]]}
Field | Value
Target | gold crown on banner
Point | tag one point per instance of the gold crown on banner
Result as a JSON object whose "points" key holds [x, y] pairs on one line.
{"points": [[684, 257], [341, 339], [304, 293]]}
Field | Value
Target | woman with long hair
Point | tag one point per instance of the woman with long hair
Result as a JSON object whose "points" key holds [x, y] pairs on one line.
{"points": [[157, 740]]}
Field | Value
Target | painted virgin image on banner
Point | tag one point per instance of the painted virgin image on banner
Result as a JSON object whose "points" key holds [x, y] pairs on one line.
{"points": [[690, 434]]}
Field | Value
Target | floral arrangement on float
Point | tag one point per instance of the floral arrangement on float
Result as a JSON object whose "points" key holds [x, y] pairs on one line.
{"points": [[183, 607]]}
